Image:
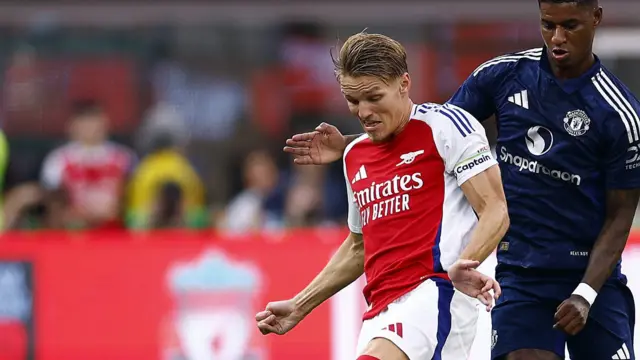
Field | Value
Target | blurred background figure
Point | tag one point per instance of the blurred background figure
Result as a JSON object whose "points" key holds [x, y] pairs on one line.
{"points": [[88, 174], [248, 211], [165, 190], [24, 93]]}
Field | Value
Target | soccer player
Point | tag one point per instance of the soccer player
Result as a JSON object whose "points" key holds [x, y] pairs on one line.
{"points": [[569, 154], [416, 181]]}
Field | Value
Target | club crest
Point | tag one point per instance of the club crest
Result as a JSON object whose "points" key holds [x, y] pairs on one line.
{"points": [[576, 122]]}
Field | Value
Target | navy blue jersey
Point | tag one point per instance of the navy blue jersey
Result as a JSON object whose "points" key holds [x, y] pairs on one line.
{"points": [[561, 145]]}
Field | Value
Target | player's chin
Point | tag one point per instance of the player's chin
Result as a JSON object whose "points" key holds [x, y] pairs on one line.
{"points": [[377, 135]]}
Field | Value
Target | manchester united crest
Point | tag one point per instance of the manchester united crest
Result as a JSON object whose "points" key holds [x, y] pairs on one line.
{"points": [[576, 122]]}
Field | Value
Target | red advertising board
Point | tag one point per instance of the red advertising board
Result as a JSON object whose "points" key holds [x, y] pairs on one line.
{"points": [[169, 295], [121, 296]]}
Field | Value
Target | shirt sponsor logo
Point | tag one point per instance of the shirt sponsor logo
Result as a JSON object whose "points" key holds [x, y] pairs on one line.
{"points": [[633, 160], [535, 167], [387, 198]]}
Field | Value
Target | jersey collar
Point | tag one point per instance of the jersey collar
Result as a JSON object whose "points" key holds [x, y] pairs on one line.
{"points": [[569, 85]]}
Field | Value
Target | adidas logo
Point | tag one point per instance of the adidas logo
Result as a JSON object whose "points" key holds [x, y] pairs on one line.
{"points": [[622, 354], [520, 99], [362, 174]]}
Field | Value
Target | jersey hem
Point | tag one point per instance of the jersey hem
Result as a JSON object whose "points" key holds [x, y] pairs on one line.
{"points": [[370, 314]]}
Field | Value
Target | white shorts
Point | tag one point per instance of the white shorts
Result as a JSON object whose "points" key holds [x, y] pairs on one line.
{"points": [[433, 319]]}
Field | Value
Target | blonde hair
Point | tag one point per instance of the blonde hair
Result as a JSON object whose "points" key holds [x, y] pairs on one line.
{"points": [[374, 55]]}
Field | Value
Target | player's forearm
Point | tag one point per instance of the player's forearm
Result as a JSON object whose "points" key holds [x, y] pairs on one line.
{"points": [[606, 252], [492, 225], [345, 267]]}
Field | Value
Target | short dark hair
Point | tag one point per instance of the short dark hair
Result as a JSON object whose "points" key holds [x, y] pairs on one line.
{"points": [[371, 55], [85, 107], [592, 3]]}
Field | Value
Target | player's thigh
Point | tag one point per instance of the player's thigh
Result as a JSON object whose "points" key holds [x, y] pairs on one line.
{"points": [[524, 328], [531, 354], [596, 342], [609, 331], [432, 321], [384, 349]]}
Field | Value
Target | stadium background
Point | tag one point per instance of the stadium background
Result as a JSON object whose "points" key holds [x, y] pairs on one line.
{"points": [[226, 82]]}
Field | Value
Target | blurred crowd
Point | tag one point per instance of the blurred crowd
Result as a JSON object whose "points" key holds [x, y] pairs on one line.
{"points": [[161, 127], [183, 140], [92, 181]]}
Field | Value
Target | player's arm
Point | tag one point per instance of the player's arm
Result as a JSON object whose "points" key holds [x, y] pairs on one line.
{"points": [[622, 179], [462, 142], [571, 316], [468, 157], [607, 251], [623, 190], [346, 266], [485, 194]]}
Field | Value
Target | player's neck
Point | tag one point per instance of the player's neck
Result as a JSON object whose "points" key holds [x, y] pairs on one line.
{"points": [[564, 73], [406, 116]]}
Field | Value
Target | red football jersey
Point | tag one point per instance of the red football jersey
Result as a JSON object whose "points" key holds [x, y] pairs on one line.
{"points": [[90, 176], [405, 199]]}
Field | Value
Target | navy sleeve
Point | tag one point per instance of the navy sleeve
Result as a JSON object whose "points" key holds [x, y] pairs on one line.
{"points": [[477, 93], [623, 155]]}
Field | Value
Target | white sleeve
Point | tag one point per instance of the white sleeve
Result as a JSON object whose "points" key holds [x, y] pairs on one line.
{"points": [[51, 175], [353, 218], [462, 143]]}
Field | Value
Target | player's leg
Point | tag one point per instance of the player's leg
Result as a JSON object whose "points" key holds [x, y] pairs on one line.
{"points": [[523, 319], [432, 321], [372, 347], [609, 331], [531, 354], [382, 349]]}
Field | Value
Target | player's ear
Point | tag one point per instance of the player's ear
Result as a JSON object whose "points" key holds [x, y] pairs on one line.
{"points": [[597, 16], [405, 83]]}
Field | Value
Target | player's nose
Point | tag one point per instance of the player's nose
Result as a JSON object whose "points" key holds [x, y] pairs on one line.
{"points": [[559, 36], [364, 112]]}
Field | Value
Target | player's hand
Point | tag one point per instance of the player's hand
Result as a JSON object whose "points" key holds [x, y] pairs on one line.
{"points": [[278, 317], [322, 146], [473, 283], [572, 315]]}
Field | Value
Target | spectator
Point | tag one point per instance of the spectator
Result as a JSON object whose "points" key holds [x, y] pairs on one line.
{"points": [[246, 211], [165, 190], [304, 198], [89, 172], [212, 102]]}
